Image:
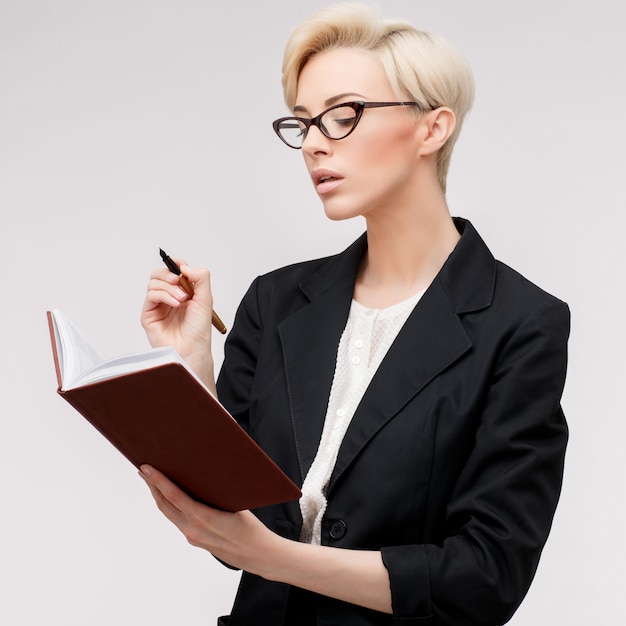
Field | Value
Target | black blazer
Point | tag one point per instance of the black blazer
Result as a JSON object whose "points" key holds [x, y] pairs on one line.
{"points": [[452, 464]]}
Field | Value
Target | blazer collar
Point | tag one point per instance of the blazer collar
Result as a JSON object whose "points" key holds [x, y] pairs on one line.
{"points": [[430, 341], [468, 275]]}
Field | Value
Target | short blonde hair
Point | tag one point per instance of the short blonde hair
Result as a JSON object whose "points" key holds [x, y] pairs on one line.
{"points": [[419, 65]]}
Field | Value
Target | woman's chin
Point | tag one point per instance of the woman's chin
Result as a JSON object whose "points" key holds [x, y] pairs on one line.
{"points": [[337, 213]]}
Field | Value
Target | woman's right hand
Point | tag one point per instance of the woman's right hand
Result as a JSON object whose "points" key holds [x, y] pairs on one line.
{"points": [[171, 318]]}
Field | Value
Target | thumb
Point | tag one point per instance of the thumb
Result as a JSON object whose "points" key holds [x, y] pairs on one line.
{"points": [[200, 278]]}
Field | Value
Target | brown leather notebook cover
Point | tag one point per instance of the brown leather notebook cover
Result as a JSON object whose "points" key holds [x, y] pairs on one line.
{"points": [[164, 417]]}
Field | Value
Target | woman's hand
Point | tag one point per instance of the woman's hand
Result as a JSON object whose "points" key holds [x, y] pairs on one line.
{"points": [[171, 318], [244, 542], [238, 539]]}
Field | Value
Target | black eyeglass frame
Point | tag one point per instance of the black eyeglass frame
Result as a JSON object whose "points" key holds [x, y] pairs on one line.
{"points": [[359, 106]]}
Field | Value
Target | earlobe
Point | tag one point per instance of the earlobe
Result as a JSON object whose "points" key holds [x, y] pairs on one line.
{"points": [[438, 126]]}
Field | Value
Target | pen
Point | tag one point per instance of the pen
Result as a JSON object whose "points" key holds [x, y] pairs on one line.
{"points": [[188, 288]]}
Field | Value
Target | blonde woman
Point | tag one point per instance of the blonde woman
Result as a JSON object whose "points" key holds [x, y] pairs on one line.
{"points": [[411, 384]]}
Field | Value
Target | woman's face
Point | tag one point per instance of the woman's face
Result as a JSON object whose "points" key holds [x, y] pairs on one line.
{"points": [[374, 169]]}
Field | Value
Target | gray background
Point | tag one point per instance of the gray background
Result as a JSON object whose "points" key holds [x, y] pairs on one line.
{"points": [[126, 125]]}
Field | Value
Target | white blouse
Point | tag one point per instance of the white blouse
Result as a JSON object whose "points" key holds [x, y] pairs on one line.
{"points": [[365, 340]]}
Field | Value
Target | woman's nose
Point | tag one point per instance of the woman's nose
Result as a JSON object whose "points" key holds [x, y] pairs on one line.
{"points": [[315, 141]]}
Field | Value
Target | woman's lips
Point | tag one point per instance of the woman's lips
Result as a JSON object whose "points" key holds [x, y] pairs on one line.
{"points": [[328, 185], [326, 181]]}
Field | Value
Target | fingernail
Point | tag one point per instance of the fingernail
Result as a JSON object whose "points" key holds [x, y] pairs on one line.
{"points": [[145, 469]]}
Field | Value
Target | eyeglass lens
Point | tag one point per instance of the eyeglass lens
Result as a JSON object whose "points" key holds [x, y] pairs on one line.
{"points": [[335, 123]]}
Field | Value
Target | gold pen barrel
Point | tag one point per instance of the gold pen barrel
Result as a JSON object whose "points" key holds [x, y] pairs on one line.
{"points": [[217, 322], [188, 289]]}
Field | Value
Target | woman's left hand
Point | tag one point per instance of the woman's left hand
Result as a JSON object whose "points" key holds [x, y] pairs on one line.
{"points": [[242, 541], [238, 539]]}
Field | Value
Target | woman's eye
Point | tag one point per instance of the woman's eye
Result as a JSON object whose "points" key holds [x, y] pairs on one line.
{"points": [[345, 121]]}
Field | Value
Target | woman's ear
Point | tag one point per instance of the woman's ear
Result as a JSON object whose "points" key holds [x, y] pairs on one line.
{"points": [[437, 126]]}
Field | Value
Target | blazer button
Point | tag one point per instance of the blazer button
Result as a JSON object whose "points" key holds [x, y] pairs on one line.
{"points": [[338, 529]]}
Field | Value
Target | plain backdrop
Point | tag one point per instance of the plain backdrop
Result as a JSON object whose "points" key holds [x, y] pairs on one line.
{"points": [[129, 125]]}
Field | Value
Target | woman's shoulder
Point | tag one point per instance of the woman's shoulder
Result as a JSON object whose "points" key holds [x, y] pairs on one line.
{"points": [[475, 281], [515, 291], [295, 272], [316, 272]]}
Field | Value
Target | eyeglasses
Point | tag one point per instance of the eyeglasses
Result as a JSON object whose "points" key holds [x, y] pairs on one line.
{"points": [[337, 122]]}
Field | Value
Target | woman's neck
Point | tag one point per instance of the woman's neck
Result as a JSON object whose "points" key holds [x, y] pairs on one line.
{"points": [[406, 250]]}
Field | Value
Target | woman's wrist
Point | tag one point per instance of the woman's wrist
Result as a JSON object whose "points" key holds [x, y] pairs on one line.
{"points": [[355, 576], [204, 368]]}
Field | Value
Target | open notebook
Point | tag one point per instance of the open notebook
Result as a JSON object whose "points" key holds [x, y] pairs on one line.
{"points": [[155, 410]]}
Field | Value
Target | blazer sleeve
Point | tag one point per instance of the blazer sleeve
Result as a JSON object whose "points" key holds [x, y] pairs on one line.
{"points": [[501, 508]]}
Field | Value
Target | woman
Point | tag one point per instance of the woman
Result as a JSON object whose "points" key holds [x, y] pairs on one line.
{"points": [[410, 384]]}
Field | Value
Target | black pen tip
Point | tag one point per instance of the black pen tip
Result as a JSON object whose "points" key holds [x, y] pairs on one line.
{"points": [[171, 264]]}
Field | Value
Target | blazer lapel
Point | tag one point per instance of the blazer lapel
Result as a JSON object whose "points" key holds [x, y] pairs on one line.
{"points": [[431, 340], [310, 338]]}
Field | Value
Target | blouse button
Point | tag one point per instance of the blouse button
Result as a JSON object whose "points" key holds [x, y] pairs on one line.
{"points": [[359, 343], [356, 360]]}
